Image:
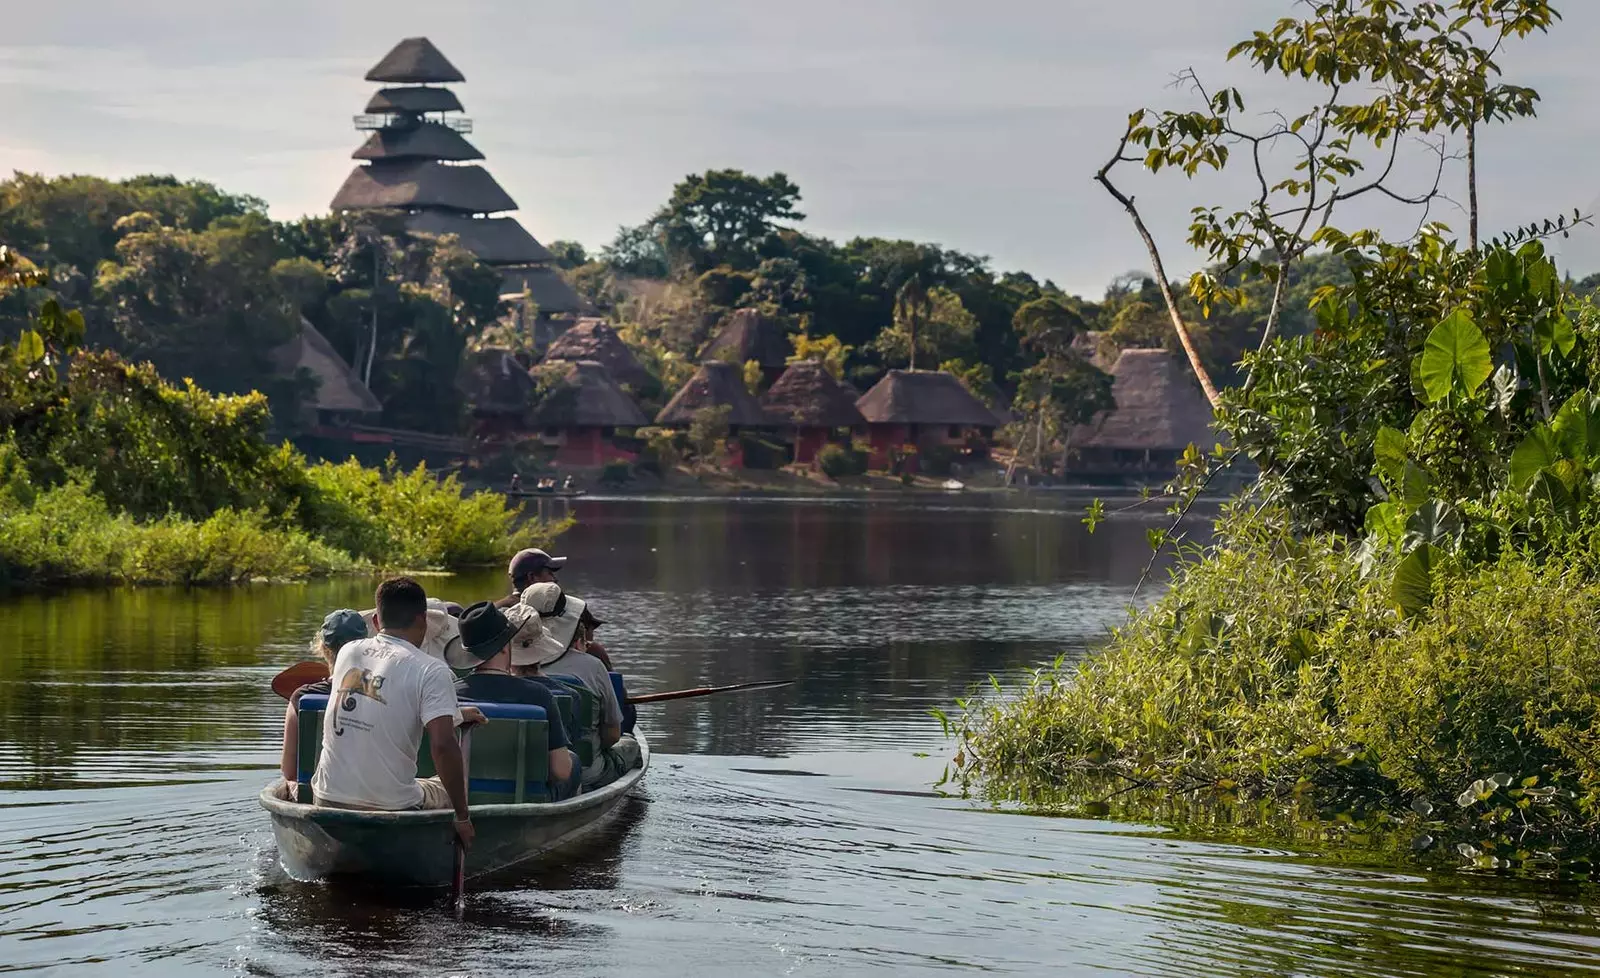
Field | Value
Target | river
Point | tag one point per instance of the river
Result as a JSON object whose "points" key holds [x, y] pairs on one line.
{"points": [[785, 832]]}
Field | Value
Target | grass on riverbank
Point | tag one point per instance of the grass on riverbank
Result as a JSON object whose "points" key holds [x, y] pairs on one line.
{"points": [[354, 519], [1276, 668]]}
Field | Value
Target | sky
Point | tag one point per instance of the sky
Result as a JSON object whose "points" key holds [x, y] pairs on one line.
{"points": [[976, 126]]}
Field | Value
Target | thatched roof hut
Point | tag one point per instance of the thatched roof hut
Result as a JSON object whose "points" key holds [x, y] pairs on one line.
{"points": [[423, 141], [1159, 408], [594, 339], [411, 184], [923, 397], [588, 397], [494, 240], [714, 385], [807, 396], [415, 100], [750, 334], [552, 293], [412, 61], [495, 383], [338, 388]]}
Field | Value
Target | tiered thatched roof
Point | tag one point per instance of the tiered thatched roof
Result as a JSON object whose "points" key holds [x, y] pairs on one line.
{"points": [[807, 396], [588, 397], [714, 385], [414, 100], [549, 290], [423, 141], [338, 387], [412, 61], [594, 339], [494, 240], [496, 383], [411, 184], [923, 397], [1159, 407], [750, 335]]}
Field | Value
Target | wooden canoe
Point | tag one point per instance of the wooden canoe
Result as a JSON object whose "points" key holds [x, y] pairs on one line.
{"points": [[417, 848]]}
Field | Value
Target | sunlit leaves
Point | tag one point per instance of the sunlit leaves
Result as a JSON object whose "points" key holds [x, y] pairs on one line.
{"points": [[1455, 358]]}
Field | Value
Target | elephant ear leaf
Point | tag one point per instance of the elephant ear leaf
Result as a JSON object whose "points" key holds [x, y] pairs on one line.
{"points": [[1434, 522], [1455, 355], [1576, 427], [1536, 453], [1412, 588], [1548, 489], [1390, 457]]}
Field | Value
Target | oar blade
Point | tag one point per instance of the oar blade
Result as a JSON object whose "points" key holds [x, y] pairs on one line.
{"points": [[297, 675]]}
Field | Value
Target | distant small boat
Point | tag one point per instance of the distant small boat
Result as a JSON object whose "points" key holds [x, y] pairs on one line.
{"points": [[559, 493], [952, 485]]}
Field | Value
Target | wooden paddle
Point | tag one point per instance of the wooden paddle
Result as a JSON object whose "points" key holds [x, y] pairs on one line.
{"points": [[458, 883], [315, 670], [297, 675], [685, 694]]}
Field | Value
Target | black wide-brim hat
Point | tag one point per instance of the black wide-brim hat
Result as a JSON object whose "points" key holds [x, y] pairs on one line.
{"points": [[485, 630]]}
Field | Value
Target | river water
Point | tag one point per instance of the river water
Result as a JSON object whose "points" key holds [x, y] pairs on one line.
{"points": [[786, 832]]}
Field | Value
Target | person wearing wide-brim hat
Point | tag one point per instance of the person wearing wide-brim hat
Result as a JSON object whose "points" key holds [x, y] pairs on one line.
{"points": [[488, 636], [560, 654]]}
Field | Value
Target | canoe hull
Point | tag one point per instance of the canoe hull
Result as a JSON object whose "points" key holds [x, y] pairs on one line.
{"points": [[417, 848]]}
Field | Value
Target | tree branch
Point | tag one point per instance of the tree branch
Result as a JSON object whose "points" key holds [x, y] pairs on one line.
{"points": [[1103, 177]]}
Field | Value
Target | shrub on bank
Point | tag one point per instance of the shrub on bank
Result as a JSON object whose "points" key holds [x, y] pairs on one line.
{"points": [[1279, 667], [396, 518], [837, 461], [69, 535]]}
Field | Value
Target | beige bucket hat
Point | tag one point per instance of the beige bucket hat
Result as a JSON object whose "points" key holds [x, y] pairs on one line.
{"points": [[559, 613]]}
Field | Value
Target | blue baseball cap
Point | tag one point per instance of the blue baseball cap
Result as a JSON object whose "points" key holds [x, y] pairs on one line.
{"points": [[344, 625]]}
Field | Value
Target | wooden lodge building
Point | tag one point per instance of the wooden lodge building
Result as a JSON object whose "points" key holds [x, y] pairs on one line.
{"points": [[341, 398], [417, 161], [498, 389], [581, 415], [924, 408], [749, 335], [594, 339], [1160, 412], [716, 384], [814, 407]]}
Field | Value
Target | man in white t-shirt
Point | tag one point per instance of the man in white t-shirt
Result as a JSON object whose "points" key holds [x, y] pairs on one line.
{"points": [[386, 692]]}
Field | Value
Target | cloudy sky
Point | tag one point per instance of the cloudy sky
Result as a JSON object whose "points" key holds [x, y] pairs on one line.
{"points": [[974, 125]]}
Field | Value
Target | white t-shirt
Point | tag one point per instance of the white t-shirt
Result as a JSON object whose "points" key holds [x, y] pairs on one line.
{"points": [[385, 690]]}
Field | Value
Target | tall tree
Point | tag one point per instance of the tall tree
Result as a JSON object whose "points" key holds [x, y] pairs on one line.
{"points": [[719, 217]]}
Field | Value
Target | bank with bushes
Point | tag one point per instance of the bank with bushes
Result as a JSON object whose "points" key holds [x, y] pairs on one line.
{"points": [[108, 473], [1397, 623]]}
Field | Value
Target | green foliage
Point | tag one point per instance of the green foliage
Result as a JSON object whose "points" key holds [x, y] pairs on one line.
{"points": [[414, 519], [827, 349], [1317, 688], [1455, 358], [616, 472], [943, 327], [708, 433], [839, 461], [719, 217], [68, 534]]}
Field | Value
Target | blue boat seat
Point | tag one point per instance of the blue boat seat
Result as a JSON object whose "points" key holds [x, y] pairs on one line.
{"points": [[509, 758]]}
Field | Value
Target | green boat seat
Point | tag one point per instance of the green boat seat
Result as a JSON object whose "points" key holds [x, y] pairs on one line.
{"points": [[509, 760]]}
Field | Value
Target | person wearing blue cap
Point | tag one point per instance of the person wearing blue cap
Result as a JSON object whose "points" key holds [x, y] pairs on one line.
{"points": [[340, 627]]}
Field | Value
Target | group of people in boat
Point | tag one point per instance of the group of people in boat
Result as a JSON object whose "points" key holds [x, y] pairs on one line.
{"points": [[394, 671]]}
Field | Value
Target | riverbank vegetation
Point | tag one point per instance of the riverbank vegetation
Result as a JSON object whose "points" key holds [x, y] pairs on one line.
{"points": [[1394, 625], [108, 473]]}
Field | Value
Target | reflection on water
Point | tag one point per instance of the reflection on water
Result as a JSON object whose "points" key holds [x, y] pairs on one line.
{"points": [[780, 832]]}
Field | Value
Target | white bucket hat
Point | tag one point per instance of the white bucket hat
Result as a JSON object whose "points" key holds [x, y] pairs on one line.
{"points": [[559, 613], [443, 640]]}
